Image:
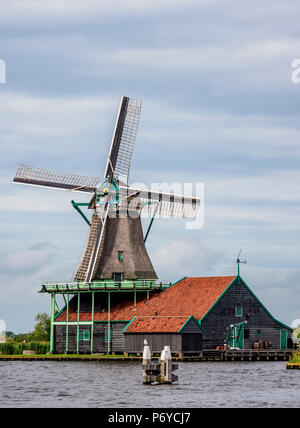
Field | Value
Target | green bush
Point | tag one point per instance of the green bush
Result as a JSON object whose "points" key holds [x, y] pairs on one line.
{"points": [[18, 348], [7, 349], [295, 357], [38, 347]]}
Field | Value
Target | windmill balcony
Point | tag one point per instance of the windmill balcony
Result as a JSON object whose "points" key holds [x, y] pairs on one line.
{"points": [[73, 286]]}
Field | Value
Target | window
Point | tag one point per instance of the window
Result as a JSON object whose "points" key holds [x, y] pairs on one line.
{"points": [[258, 333], [238, 311], [84, 335], [118, 276], [120, 256]]}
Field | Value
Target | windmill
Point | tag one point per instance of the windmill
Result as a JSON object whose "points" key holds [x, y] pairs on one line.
{"points": [[115, 248]]}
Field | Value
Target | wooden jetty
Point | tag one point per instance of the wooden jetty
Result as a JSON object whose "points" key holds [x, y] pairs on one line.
{"points": [[207, 355], [246, 355]]}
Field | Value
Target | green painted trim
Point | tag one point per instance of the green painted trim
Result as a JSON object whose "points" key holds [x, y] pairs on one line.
{"points": [[238, 278], [72, 323], [93, 316], [59, 313], [151, 222], [76, 206], [52, 322], [181, 279], [58, 310], [86, 322], [78, 321], [82, 204], [187, 321], [190, 317], [218, 299], [129, 324], [67, 326], [108, 324], [74, 287]]}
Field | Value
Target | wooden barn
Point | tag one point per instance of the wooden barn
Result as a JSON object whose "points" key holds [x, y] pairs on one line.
{"points": [[194, 314], [182, 334], [222, 305]]}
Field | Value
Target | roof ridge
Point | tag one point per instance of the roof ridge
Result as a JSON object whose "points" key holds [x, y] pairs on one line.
{"points": [[162, 316]]}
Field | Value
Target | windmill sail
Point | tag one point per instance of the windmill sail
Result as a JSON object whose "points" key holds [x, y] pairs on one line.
{"points": [[120, 154], [170, 205], [43, 177], [86, 269]]}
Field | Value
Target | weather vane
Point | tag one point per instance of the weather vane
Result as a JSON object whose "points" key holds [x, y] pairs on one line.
{"points": [[239, 261]]}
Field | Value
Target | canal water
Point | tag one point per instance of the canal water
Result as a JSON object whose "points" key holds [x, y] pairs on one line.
{"points": [[119, 384]]}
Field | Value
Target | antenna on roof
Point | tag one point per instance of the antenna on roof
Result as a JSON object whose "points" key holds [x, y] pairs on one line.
{"points": [[239, 261]]}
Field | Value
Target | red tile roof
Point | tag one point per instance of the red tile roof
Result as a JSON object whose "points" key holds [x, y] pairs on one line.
{"points": [[123, 311], [156, 324], [190, 296]]}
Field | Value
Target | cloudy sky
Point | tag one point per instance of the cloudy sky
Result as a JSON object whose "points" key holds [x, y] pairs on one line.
{"points": [[219, 107]]}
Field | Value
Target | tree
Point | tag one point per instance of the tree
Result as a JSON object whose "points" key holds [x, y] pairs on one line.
{"points": [[42, 327]]}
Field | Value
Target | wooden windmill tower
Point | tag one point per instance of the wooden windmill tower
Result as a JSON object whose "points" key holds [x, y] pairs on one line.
{"points": [[115, 248]]}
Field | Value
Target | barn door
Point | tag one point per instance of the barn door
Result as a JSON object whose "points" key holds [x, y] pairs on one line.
{"points": [[283, 339], [235, 336]]}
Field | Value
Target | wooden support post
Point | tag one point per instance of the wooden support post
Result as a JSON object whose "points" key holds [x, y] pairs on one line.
{"points": [[67, 326], [92, 326], [108, 323], [78, 319], [52, 323]]}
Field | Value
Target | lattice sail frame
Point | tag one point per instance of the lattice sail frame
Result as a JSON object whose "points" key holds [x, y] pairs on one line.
{"points": [[170, 205], [123, 140], [27, 174], [93, 247]]}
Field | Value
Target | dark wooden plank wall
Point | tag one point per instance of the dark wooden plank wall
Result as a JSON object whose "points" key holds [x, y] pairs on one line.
{"points": [[223, 314], [134, 342], [99, 344]]}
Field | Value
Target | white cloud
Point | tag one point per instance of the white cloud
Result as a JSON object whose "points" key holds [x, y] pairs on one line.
{"points": [[201, 58], [30, 260], [187, 256], [27, 116], [75, 10], [295, 323]]}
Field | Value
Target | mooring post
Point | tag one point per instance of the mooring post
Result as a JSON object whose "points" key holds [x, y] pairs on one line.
{"points": [[146, 361], [167, 358], [160, 371]]}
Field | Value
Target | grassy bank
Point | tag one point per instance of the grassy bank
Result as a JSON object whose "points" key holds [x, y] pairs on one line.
{"points": [[68, 357]]}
